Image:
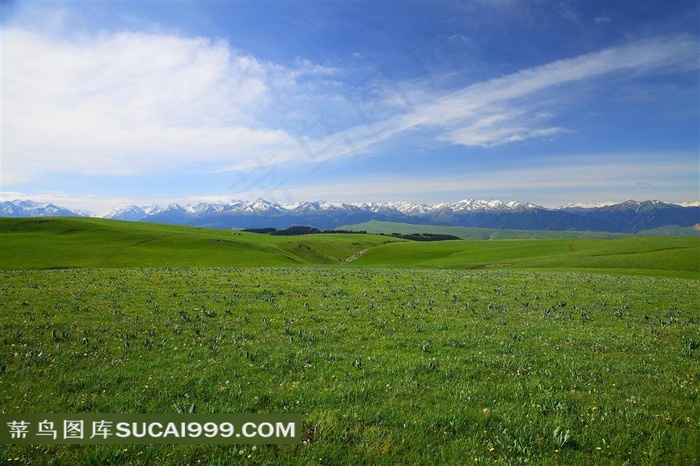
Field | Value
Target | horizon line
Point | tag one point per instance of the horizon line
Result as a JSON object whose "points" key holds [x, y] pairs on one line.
{"points": [[92, 213]]}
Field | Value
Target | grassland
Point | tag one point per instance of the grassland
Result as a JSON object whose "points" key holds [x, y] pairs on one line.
{"points": [[413, 353], [77, 242], [654, 256], [473, 233], [84, 243], [387, 366]]}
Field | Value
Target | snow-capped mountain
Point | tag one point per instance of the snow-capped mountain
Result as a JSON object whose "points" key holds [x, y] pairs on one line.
{"points": [[261, 206], [630, 216], [27, 208], [491, 205], [133, 213], [320, 206]]}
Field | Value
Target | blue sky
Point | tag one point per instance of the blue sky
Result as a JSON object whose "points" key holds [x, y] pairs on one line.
{"points": [[112, 103]]}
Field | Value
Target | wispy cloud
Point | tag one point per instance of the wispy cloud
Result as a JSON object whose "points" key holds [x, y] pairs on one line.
{"points": [[501, 128], [507, 109], [469, 115], [132, 103]]}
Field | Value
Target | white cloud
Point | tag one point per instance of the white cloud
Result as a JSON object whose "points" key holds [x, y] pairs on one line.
{"points": [[131, 103], [135, 103], [501, 128], [470, 103], [473, 115]]}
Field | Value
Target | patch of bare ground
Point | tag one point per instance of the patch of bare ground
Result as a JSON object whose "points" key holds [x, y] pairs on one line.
{"points": [[355, 256]]}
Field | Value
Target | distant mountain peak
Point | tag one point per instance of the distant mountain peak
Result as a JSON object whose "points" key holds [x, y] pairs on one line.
{"points": [[629, 216], [29, 208]]}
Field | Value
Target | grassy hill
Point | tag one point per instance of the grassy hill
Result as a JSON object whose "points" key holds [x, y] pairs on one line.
{"points": [[87, 243], [472, 233], [30, 243], [648, 255]]}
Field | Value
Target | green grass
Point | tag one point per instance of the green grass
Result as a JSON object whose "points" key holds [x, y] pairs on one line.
{"points": [[653, 256], [67, 243], [84, 243], [456, 352], [472, 233], [386, 366]]}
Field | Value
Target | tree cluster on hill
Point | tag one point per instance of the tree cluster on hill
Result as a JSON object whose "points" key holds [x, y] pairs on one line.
{"points": [[306, 230], [298, 231], [262, 231], [426, 236]]}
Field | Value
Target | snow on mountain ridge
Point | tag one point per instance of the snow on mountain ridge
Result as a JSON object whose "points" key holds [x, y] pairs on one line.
{"points": [[244, 212], [204, 207], [628, 203], [153, 209], [263, 206], [478, 205], [410, 208], [134, 211], [129, 211], [29, 208]]}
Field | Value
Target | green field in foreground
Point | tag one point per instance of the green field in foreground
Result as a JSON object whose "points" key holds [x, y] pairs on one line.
{"points": [[394, 352], [85, 243], [386, 366]]}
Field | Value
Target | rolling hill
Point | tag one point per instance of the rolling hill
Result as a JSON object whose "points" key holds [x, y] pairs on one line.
{"points": [[646, 255], [474, 233], [87, 242], [48, 243]]}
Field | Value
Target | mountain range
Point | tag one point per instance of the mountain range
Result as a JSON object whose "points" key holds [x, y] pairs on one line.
{"points": [[27, 208], [627, 217]]}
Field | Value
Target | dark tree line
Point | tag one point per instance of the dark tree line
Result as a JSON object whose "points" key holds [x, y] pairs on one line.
{"points": [[304, 230]]}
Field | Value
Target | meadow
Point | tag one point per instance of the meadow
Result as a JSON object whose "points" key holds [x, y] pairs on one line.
{"points": [[30, 243], [475, 233], [56, 243], [398, 357]]}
